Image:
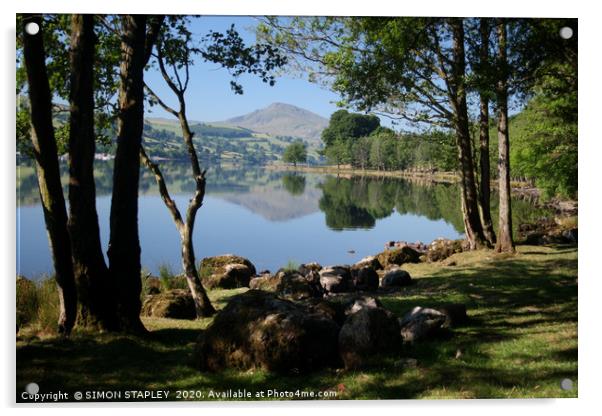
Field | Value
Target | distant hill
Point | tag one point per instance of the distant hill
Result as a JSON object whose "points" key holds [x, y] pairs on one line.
{"points": [[279, 119]]}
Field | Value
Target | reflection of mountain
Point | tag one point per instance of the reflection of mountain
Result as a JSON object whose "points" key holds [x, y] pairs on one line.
{"points": [[276, 204], [357, 202]]}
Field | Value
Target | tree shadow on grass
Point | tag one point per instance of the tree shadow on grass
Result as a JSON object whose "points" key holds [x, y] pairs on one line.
{"points": [[520, 341]]}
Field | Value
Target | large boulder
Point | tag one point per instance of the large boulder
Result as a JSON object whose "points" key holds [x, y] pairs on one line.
{"points": [[455, 314], [421, 323], [396, 277], [369, 261], [295, 286], [266, 281], [398, 256], [368, 334], [305, 269], [175, 304], [364, 278], [231, 276], [151, 285], [336, 279], [334, 308], [442, 248], [358, 303], [226, 271], [257, 329]]}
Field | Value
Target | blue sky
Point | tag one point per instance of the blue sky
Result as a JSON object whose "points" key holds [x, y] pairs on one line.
{"points": [[209, 97]]}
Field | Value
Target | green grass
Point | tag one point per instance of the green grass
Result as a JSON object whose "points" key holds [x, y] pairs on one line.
{"points": [[521, 341]]}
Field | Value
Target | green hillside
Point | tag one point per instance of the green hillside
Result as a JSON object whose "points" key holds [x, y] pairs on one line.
{"points": [[216, 144]]}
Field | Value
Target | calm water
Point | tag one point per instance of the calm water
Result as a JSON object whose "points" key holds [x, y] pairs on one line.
{"points": [[269, 217]]}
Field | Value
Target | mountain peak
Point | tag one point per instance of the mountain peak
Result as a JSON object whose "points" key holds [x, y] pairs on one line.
{"points": [[282, 119]]}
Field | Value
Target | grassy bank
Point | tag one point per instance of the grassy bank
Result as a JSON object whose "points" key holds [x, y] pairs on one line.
{"points": [[521, 341], [346, 171]]}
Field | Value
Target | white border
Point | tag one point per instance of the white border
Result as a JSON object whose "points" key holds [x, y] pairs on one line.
{"points": [[590, 152]]}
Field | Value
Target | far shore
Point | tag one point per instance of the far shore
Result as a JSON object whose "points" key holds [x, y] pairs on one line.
{"points": [[520, 189], [346, 170]]}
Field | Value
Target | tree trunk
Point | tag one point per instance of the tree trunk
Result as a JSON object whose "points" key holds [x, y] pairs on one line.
{"points": [[504, 242], [485, 184], [201, 300], [124, 243], [203, 305], [48, 173], [470, 209], [97, 308]]}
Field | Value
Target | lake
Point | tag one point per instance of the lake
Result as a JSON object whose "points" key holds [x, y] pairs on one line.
{"points": [[270, 217]]}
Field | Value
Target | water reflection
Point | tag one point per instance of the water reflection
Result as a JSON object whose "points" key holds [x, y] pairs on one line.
{"points": [[271, 217]]}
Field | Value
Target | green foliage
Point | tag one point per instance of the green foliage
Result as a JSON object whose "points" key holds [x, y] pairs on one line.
{"points": [[295, 153], [37, 304], [344, 126], [229, 50], [166, 276], [290, 266], [24, 145], [56, 31], [386, 150], [338, 152], [544, 148]]}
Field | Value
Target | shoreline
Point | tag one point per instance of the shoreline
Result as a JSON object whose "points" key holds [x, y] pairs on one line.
{"points": [[522, 190]]}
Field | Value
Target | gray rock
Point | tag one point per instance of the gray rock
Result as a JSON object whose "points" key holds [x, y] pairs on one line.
{"points": [[295, 286], [365, 278], [362, 302], [570, 235], [370, 261], [367, 334], [304, 269], [174, 304], [396, 277], [455, 314], [226, 271], [421, 323], [257, 329], [335, 279]]}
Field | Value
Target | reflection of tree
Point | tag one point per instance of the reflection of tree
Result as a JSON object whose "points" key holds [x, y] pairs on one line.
{"points": [[293, 183], [341, 205], [347, 203], [359, 202]]}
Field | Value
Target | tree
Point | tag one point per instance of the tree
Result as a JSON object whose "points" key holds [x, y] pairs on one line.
{"points": [[504, 242], [175, 53], [344, 126], [483, 71], [544, 135], [97, 307], [47, 168], [412, 69], [295, 153], [124, 243], [337, 153]]}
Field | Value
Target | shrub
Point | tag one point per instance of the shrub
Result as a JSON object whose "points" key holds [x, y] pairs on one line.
{"points": [[290, 266], [37, 304]]}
